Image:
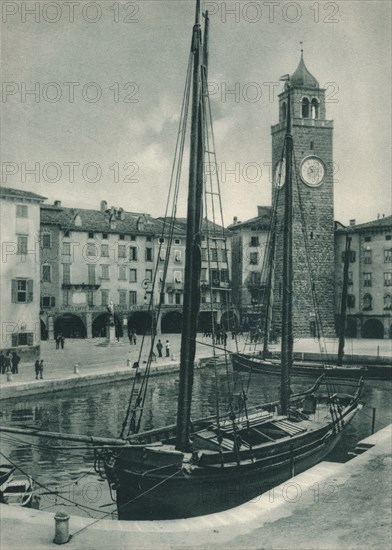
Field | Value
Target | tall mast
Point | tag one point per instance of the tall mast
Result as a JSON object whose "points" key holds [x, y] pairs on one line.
{"points": [[193, 253], [287, 302], [343, 305]]}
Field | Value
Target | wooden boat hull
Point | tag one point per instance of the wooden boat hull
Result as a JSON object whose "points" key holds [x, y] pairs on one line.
{"points": [[242, 362], [168, 491]]}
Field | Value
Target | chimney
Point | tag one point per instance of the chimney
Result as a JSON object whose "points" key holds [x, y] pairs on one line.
{"points": [[120, 214], [57, 204], [263, 211], [235, 219], [104, 206], [352, 223]]}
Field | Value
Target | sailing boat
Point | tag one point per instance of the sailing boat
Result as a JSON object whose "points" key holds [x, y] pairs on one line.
{"points": [[190, 468], [196, 467], [264, 364]]}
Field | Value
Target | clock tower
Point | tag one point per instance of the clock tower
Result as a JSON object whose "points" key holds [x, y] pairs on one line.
{"points": [[313, 210]]}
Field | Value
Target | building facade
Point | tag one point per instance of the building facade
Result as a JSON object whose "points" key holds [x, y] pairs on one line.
{"points": [[313, 207], [369, 300], [93, 259], [249, 245], [20, 272]]}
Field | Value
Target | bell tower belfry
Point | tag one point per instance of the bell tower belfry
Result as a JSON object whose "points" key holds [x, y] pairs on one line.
{"points": [[313, 207]]}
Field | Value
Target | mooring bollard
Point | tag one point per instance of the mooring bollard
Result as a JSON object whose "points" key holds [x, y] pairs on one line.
{"points": [[61, 535], [128, 362], [76, 368], [9, 376]]}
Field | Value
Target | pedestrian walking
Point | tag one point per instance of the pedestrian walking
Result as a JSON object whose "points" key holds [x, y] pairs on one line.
{"points": [[8, 362], [58, 341], [15, 362], [167, 347], [41, 369], [62, 340], [37, 369], [134, 337], [159, 348]]}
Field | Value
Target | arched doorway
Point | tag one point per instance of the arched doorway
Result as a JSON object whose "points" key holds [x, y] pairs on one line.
{"points": [[70, 326], [351, 328], [373, 329], [99, 328], [204, 321], [229, 320], [141, 322], [44, 331], [172, 323]]}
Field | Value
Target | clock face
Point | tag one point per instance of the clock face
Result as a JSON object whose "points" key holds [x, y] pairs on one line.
{"points": [[280, 174], [312, 171]]}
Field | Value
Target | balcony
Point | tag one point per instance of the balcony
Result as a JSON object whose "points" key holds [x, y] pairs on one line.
{"points": [[254, 285], [80, 286]]}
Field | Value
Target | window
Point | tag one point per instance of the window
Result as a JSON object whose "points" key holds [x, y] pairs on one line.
{"points": [[23, 339], [350, 278], [178, 298], [66, 249], [122, 251], [132, 275], [22, 291], [91, 234], [104, 297], [105, 250], [121, 237], [46, 240], [305, 107], [387, 301], [90, 297], [215, 277], [311, 145], [350, 300], [224, 276], [388, 237], [133, 237], [203, 276], [149, 274], [148, 254], [254, 241], [314, 107], [214, 255], [177, 241], [132, 297], [46, 274], [21, 211], [367, 302], [22, 244], [283, 110], [160, 275], [91, 274], [67, 233], [92, 251], [162, 255], [353, 256], [170, 298], [178, 276], [122, 273], [104, 235], [204, 254], [388, 255], [133, 254], [177, 256], [224, 255], [388, 279], [161, 240], [122, 297], [65, 298], [253, 258], [149, 239], [48, 301], [368, 239], [367, 257], [367, 279], [66, 274], [104, 272]]}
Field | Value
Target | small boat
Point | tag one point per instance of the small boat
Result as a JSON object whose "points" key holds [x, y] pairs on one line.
{"points": [[17, 492]]}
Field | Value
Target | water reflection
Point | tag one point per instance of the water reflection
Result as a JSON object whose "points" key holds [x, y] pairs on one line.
{"points": [[68, 468]]}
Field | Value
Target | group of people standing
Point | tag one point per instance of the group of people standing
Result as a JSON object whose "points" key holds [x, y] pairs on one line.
{"points": [[60, 341], [9, 363], [160, 348]]}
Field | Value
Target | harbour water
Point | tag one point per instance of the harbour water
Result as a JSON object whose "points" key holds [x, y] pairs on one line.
{"points": [[67, 469]]}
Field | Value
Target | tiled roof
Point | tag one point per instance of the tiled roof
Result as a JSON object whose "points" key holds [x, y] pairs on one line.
{"points": [[180, 226], [381, 223], [258, 223], [19, 194], [95, 220]]}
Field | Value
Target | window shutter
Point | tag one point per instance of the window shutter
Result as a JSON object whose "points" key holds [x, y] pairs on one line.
{"points": [[30, 290], [14, 340], [52, 301], [14, 291], [30, 339]]}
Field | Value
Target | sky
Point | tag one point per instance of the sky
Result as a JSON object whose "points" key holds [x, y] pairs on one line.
{"points": [[109, 78]]}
